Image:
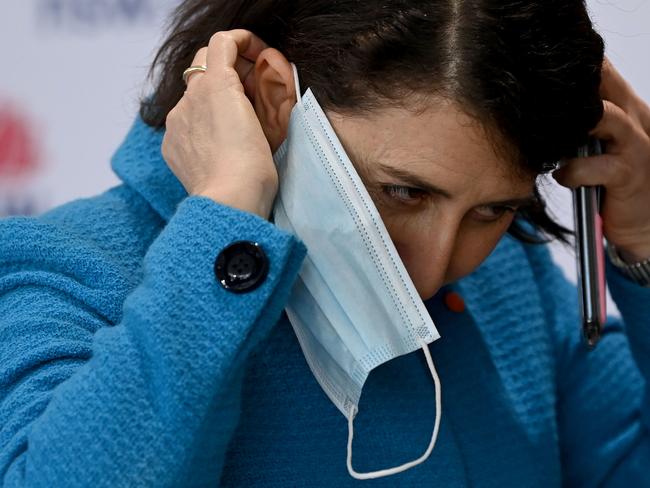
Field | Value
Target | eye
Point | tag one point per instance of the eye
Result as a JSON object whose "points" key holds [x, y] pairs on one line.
{"points": [[404, 194], [491, 213]]}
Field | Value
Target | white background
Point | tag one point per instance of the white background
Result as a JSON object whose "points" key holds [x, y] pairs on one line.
{"points": [[74, 70]]}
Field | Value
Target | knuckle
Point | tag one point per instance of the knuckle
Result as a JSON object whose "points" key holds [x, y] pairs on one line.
{"points": [[615, 115], [164, 148], [619, 171], [219, 37], [169, 120], [171, 115]]}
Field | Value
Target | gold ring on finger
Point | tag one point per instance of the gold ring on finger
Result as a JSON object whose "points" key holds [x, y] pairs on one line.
{"points": [[193, 69]]}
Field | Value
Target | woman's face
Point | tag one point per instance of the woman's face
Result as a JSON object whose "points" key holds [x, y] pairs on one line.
{"points": [[444, 194]]}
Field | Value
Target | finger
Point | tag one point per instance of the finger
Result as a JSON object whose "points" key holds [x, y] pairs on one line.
{"points": [[246, 71], [226, 46], [616, 127], [613, 86], [243, 67], [199, 60], [604, 169]]}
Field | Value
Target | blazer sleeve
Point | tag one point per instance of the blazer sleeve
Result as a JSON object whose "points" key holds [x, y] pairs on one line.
{"points": [[603, 407], [145, 395]]}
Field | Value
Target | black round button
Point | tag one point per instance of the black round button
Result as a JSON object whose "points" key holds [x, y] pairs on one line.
{"points": [[242, 266]]}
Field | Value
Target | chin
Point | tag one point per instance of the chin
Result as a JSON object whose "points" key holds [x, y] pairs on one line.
{"points": [[429, 292], [426, 294]]}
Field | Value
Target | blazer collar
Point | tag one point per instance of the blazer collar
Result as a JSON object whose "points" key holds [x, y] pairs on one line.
{"points": [[139, 163]]}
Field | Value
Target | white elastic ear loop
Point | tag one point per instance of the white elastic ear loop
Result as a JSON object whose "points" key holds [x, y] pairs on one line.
{"points": [[296, 83], [398, 469]]}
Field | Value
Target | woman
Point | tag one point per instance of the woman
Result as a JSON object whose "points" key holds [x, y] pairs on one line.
{"points": [[143, 339]]}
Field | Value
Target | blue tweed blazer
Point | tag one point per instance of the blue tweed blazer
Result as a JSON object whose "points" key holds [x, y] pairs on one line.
{"points": [[123, 362]]}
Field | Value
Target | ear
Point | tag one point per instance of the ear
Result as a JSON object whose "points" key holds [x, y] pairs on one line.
{"points": [[275, 95]]}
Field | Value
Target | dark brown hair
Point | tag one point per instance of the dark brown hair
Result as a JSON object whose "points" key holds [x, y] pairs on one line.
{"points": [[528, 69]]}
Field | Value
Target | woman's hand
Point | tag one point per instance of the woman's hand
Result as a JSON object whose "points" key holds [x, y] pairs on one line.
{"points": [[624, 170], [214, 142]]}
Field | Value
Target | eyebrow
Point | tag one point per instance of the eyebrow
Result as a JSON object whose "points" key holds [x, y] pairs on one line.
{"points": [[416, 181]]}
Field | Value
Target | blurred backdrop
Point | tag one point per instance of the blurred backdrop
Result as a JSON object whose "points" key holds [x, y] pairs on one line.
{"points": [[73, 71]]}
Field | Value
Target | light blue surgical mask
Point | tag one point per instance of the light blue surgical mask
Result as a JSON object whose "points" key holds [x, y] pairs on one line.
{"points": [[353, 306]]}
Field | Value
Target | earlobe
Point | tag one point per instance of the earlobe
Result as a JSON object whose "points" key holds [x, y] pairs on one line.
{"points": [[275, 94]]}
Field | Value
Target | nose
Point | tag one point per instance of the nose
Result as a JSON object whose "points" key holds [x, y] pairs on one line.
{"points": [[434, 255], [441, 250]]}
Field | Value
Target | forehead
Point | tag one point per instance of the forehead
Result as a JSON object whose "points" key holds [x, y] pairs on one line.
{"points": [[440, 142]]}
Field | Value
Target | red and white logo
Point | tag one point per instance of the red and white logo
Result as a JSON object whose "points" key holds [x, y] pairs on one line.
{"points": [[18, 149], [19, 162]]}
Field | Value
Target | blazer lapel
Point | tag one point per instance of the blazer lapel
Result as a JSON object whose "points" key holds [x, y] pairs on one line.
{"points": [[503, 299]]}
